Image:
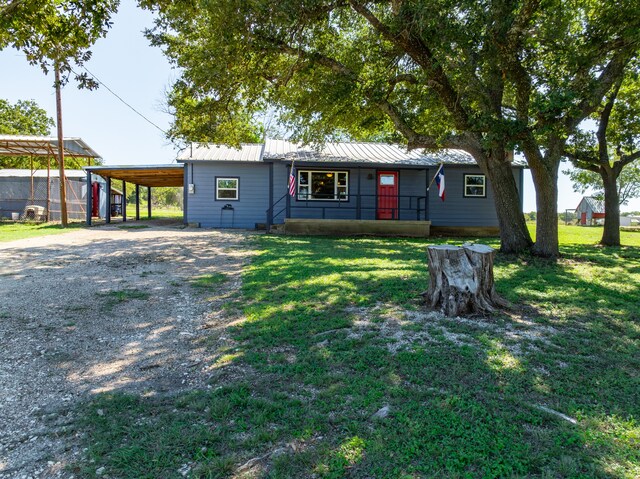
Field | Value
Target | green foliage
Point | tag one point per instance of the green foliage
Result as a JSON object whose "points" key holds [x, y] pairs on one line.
{"points": [[628, 182], [24, 118], [27, 118], [11, 231], [332, 330], [208, 280], [56, 31]]}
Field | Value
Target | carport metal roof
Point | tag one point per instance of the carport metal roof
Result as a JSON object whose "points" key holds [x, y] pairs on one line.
{"points": [[27, 145], [143, 175]]}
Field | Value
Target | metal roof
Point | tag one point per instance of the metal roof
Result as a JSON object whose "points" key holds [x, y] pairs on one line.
{"points": [[144, 175], [594, 204], [28, 145], [211, 152], [54, 173], [340, 152]]}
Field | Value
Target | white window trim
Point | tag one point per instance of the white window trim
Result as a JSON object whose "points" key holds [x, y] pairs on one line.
{"points": [[335, 186], [236, 189], [484, 185]]}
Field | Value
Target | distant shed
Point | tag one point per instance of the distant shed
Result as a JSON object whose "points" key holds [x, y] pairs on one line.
{"points": [[30, 193], [589, 210]]}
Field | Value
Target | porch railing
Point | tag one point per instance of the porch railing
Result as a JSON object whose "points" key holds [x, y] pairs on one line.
{"points": [[417, 206]]}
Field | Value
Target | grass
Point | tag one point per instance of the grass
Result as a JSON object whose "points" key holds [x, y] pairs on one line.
{"points": [[207, 281], [11, 231], [333, 332], [156, 213], [113, 298]]}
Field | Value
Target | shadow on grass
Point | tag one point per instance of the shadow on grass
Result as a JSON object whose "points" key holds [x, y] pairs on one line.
{"points": [[299, 390]]}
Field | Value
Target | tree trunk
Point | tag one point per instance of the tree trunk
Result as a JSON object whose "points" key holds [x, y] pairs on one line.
{"points": [[514, 235], [461, 280], [545, 179], [611, 232]]}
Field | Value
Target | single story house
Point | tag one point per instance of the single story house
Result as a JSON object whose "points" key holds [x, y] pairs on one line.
{"points": [[345, 187], [589, 211]]}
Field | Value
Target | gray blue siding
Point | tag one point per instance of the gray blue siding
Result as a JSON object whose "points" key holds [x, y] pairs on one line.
{"points": [[251, 208], [457, 210]]}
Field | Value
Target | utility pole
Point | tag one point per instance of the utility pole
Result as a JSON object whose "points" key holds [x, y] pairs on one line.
{"points": [[63, 180]]}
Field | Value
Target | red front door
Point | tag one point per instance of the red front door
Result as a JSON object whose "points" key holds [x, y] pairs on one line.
{"points": [[387, 195], [583, 219]]}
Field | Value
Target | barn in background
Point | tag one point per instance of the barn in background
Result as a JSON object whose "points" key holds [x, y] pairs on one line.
{"points": [[589, 211]]}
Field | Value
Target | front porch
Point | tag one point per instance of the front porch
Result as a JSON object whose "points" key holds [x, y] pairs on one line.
{"points": [[338, 227]]}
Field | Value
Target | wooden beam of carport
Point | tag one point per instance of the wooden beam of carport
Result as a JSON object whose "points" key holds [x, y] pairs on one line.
{"points": [[144, 175]]}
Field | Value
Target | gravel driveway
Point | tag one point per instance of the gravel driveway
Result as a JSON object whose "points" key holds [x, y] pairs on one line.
{"points": [[102, 309]]}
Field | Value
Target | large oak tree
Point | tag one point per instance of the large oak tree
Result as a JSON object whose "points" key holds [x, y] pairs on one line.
{"points": [[482, 76], [608, 153]]}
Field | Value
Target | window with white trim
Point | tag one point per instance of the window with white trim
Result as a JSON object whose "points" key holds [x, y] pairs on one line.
{"points": [[227, 188], [323, 185], [475, 186]]}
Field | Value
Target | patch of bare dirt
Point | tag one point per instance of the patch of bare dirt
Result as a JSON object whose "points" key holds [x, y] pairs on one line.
{"points": [[100, 310], [404, 328]]}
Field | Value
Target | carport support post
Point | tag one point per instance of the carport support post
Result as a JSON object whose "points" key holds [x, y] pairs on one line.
{"points": [[107, 216], [185, 194], [89, 198], [137, 202], [149, 202], [124, 201]]}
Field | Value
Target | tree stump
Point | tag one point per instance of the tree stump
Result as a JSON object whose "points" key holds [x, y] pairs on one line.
{"points": [[461, 280]]}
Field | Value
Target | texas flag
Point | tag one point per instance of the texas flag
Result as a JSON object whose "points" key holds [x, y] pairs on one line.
{"points": [[440, 181]]}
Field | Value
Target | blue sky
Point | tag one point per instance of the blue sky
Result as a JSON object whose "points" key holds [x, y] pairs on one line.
{"points": [[141, 75]]}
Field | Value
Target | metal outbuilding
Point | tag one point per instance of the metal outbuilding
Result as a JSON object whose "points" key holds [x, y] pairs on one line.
{"points": [[33, 193]]}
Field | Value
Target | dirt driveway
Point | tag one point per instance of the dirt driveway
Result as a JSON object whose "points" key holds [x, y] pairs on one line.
{"points": [[97, 310]]}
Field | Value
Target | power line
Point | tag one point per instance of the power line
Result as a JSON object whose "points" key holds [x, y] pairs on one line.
{"points": [[100, 82], [122, 100]]}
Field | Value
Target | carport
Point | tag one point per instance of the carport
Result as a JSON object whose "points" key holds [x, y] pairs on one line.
{"points": [[144, 175]]}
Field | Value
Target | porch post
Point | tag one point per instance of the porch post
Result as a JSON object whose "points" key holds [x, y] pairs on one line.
{"points": [[124, 201], [270, 210], [107, 215], [137, 202], [149, 202], [185, 193], [89, 198], [288, 195], [358, 199], [426, 200]]}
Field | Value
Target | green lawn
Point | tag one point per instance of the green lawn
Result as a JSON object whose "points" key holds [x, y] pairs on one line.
{"points": [[335, 331], [156, 212], [10, 231]]}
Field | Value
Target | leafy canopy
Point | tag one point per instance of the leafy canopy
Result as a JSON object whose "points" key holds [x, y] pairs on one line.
{"points": [[427, 72], [53, 31], [24, 118], [628, 183]]}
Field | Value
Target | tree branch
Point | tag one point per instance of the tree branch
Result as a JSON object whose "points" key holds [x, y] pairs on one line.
{"points": [[612, 72], [423, 56], [402, 78], [626, 159], [601, 134], [582, 161]]}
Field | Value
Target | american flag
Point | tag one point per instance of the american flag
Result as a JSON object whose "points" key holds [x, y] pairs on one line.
{"points": [[292, 181], [440, 181]]}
